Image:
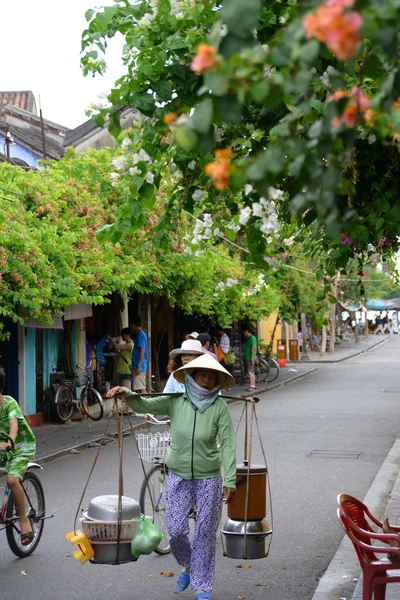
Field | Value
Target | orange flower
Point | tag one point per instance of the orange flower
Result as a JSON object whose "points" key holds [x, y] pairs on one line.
{"points": [[342, 4], [339, 30], [396, 104], [223, 153], [338, 95], [169, 118], [219, 170], [369, 116], [358, 104], [204, 59]]}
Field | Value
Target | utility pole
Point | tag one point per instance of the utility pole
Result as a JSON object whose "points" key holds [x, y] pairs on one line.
{"points": [[9, 141], [42, 128]]}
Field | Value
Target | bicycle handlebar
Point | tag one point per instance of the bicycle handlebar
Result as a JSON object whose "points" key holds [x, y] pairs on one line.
{"points": [[9, 438], [152, 419]]}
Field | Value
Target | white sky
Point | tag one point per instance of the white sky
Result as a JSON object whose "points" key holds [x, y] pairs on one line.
{"points": [[40, 51]]}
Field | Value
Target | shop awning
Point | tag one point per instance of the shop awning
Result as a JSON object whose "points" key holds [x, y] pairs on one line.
{"points": [[57, 323], [78, 311]]}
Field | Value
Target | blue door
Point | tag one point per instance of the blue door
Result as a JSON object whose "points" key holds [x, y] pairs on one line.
{"points": [[9, 359]]}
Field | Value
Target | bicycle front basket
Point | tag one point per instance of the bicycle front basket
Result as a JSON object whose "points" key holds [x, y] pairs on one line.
{"points": [[153, 445]]}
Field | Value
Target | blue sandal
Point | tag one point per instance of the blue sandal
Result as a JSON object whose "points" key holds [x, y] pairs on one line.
{"points": [[203, 596], [182, 582]]}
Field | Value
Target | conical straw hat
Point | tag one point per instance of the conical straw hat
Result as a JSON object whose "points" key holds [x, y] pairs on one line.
{"points": [[224, 378]]}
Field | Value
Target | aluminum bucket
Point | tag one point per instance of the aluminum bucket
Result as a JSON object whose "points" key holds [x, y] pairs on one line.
{"points": [[256, 534]]}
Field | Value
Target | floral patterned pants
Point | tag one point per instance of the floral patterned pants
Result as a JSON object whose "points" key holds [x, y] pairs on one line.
{"points": [[198, 556]]}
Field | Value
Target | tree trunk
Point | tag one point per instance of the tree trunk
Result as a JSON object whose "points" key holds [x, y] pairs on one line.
{"points": [[270, 348], [333, 320], [304, 352], [323, 342], [366, 330], [284, 337]]}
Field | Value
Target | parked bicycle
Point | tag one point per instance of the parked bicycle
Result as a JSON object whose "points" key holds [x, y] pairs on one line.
{"points": [[266, 369], [35, 508], [274, 368], [90, 399]]}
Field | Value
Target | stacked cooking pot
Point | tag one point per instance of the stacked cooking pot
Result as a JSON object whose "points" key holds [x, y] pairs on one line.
{"points": [[100, 524], [245, 534]]}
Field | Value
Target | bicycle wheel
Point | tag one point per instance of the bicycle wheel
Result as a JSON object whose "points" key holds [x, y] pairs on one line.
{"points": [[64, 402], [274, 369], [92, 404], [262, 371], [154, 489], [35, 509]]}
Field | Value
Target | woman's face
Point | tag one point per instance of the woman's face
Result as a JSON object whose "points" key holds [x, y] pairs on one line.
{"points": [[186, 358], [206, 378]]}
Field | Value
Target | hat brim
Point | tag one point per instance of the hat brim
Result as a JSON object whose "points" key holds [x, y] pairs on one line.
{"points": [[225, 379], [178, 351]]}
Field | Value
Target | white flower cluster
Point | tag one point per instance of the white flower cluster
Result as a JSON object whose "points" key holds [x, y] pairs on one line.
{"points": [[198, 195], [260, 285], [202, 232], [121, 164], [288, 241], [180, 8], [229, 283], [265, 210], [326, 76], [148, 18]]}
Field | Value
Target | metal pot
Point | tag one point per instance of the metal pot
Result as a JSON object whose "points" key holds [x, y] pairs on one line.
{"points": [[101, 527], [105, 508], [256, 534]]}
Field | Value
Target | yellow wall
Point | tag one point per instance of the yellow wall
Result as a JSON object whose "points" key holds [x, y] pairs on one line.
{"points": [[265, 329]]}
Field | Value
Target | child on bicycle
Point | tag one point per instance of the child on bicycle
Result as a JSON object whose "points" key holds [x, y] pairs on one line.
{"points": [[15, 461]]}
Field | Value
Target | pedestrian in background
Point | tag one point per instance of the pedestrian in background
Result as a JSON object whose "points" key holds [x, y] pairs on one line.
{"points": [[189, 350], [250, 354], [192, 336], [124, 364], [139, 356], [205, 341], [378, 324]]}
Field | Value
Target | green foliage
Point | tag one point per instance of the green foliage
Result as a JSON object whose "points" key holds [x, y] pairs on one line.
{"points": [[58, 247], [266, 96]]}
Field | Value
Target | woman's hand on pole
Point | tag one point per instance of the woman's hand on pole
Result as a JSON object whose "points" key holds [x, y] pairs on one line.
{"points": [[228, 494], [115, 390]]}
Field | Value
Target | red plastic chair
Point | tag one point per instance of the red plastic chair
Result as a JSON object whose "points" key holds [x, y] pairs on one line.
{"points": [[377, 572]]}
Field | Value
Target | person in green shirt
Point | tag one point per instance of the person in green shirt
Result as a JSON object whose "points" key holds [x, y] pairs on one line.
{"points": [[250, 354], [200, 419], [15, 461]]}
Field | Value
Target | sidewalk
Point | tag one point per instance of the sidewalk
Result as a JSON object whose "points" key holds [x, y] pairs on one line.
{"points": [[342, 579], [393, 512], [347, 349], [54, 440]]}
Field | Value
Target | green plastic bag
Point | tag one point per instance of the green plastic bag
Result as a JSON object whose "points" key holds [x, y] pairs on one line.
{"points": [[146, 538], [230, 357]]}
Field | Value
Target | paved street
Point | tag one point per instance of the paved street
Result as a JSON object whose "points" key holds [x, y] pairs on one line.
{"points": [[324, 434]]}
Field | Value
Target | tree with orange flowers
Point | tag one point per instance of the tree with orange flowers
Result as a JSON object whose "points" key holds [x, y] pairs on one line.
{"points": [[281, 119]]}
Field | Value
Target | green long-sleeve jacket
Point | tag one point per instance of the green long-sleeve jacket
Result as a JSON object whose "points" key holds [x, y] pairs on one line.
{"points": [[193, 452]]}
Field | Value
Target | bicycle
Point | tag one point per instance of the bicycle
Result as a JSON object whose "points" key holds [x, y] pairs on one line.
{"points": [[90, 399], [274, 368], [35, 509], [153, 448], [262, 372]]}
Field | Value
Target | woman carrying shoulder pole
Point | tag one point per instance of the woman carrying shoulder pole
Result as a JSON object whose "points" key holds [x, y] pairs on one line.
{"points": [[199, 419]]}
